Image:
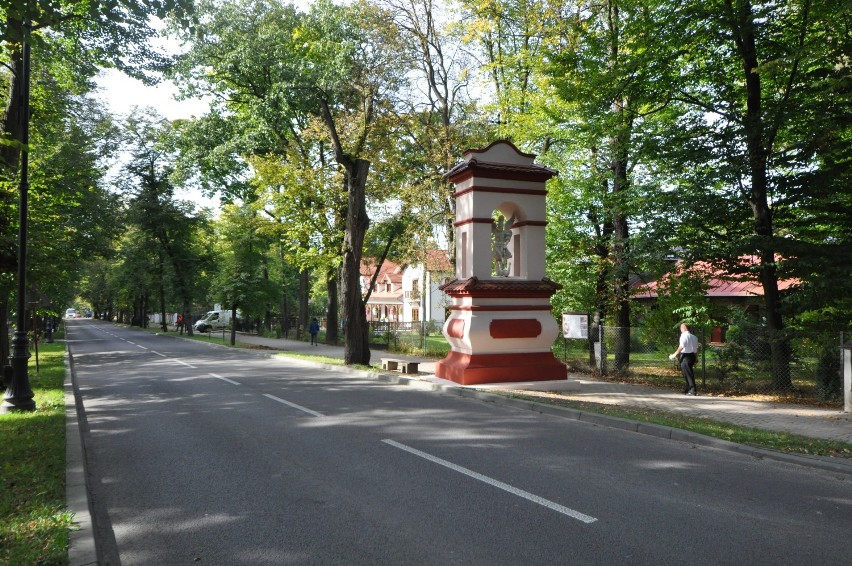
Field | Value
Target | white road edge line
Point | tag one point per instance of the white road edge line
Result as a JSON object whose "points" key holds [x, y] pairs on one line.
{"points": [[294, 405], [159, 354], [231, 381], [183, 363], [138, 346], [498, 484]]}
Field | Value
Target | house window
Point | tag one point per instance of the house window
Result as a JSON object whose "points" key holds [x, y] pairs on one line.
{"points": [[388, 287], [415, 315]]}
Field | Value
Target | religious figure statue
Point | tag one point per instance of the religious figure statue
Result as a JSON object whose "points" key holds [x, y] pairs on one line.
{"points": [[501, 232]]}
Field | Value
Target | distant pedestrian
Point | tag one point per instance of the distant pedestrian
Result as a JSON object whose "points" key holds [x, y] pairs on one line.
{"points": [[688, 350], [180, 323], [314, 330]]}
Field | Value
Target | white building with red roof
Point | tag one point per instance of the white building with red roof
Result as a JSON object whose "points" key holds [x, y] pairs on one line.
{"points": [[407, 292]]}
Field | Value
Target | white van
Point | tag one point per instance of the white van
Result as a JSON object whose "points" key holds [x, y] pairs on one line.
{"points": [[213, 320]]}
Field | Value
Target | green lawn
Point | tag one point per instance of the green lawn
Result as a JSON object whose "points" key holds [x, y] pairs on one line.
{"points": [[34, 523]]}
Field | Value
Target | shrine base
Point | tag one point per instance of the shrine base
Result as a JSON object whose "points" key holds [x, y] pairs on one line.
{"points": [[476, 369]]}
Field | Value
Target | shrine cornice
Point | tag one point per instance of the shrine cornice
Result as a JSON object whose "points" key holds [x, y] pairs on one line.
{"points": [[484, 169], [502, 287]]}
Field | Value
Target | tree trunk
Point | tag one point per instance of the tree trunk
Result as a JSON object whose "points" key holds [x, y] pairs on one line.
{"points": [[621, 251], [234, 325], [332, 321], [604, 230], [754, 128], [622, 295], [163, 323], [304, 295], [186, 320], [283, 307], [357, 346]]}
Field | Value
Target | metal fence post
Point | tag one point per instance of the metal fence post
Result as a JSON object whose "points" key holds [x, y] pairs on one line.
{"points": [[846, 369], [703, 357]]}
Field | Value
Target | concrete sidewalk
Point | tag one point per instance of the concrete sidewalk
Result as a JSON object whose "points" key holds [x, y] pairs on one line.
{"points": [[803, 420]]}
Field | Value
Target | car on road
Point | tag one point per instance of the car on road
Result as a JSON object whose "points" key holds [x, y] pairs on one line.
{"points": [[70, 313]]}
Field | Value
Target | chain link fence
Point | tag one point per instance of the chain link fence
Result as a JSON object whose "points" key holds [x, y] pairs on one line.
{"points": [[795, 364], [423, 338]]}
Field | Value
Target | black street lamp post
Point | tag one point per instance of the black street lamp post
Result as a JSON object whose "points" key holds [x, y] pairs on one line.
{"points": [[19, 395]]}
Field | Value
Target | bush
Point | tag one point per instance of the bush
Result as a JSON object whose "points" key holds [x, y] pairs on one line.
{"points": [[728, 356], [828, 379]]}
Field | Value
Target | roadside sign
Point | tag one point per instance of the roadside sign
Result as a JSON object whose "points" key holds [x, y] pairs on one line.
{"points": [[575, 325]]}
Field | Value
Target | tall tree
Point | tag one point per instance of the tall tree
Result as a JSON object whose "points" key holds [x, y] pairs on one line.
{"points": [[169, 223], [252, 121], [67, 144], [72, 38], [766, 85], [439, 118], [597, 93], [242, 281], [337, 64]]}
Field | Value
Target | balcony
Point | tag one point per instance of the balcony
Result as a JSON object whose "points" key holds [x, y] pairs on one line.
{"points": [[413, 296]]}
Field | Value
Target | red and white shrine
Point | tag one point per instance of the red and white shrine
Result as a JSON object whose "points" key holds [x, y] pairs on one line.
{"points": [[500, 328]]}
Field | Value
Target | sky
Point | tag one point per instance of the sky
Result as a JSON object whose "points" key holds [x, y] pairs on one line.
{"points": [[121, 93]]}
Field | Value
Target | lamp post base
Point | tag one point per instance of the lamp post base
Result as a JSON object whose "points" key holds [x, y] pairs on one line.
{"points": [[19, 395]]}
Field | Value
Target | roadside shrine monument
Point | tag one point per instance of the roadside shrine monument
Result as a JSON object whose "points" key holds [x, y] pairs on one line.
{"points": [[500, 328]]}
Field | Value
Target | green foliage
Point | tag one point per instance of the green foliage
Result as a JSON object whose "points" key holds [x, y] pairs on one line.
{"points": [[729, 358], [243, 278], [681, 298], [829, 377], [91, 32]]}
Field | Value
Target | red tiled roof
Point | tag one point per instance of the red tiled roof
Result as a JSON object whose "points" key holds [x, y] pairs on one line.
{"points": [[391, 270], [720, 283]]}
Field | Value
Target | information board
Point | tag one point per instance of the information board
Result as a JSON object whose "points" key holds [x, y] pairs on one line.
{"points": [[575, 325]]}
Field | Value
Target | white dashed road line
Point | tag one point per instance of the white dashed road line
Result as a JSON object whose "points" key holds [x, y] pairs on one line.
{"points": [[225, 379], [498, 484], [294, 405]]}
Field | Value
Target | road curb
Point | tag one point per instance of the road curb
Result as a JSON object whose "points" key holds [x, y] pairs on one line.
{"points": [[82, 550]]}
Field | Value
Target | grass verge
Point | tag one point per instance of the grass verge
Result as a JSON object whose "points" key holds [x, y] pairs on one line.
{"points": [[326, 360], [779, 441], [34, 523]]}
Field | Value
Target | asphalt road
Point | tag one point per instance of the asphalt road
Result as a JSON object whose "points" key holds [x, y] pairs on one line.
{"points": [[199, 454]]}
